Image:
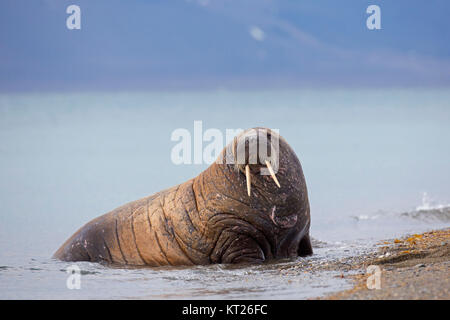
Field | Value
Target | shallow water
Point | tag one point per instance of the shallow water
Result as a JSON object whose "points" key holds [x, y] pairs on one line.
{"points": [[376, 164]]}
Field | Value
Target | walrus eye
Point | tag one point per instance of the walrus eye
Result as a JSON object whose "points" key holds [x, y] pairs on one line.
{"points": [[249, 181]]}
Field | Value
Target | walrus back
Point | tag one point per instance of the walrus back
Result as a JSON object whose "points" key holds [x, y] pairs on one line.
{"points": [[150, 231]]}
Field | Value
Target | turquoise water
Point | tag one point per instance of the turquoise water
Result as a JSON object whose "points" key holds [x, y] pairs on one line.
{"points": [[376, 164]]}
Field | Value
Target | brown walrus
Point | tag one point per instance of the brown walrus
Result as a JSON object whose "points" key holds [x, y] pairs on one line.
{"points": [[229, 213]]}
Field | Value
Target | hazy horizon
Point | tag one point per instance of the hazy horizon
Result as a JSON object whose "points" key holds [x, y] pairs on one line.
{"points": [[206, 45]]}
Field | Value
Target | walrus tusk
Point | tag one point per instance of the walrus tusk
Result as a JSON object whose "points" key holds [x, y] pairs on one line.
{"points": [[247, 175], [274, 177]]}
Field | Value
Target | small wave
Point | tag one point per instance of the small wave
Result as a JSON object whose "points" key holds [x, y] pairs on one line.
{"points": [[366, 217], [441, 214], [34, 269], [82, 272], [316, 243], [429, 204], [429, 210]]}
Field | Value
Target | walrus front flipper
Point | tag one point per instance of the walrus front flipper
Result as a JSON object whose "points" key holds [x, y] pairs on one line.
{"points": [[305, 247], [87, 244], [238, 249], [73, 251]]}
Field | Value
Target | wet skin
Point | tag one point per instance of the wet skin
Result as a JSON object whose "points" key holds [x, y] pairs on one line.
{"points": [[208, 219]]}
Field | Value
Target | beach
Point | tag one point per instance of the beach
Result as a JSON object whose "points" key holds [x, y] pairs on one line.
{"points": [[413, 267]]}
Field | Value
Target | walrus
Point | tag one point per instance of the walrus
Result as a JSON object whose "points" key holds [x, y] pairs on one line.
{"points": [[229, 213]]}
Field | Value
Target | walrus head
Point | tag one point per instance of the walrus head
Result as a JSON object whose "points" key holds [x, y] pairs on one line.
{"points": [[257, 192]]}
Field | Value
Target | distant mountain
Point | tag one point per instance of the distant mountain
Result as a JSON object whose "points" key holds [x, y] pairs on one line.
{"points": [[192, 44]]}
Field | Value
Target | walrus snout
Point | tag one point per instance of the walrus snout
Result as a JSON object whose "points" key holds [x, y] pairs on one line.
{"points": [[256, 151]]}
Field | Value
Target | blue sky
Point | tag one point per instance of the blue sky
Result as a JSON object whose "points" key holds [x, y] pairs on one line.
{"points": [[207, 44]]}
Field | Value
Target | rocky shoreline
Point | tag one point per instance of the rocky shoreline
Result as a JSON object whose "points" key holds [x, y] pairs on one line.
{"points": [[413, 267]]}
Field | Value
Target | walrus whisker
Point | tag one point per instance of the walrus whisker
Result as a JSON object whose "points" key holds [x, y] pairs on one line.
{"points": [[274, 177], [247, 175]]}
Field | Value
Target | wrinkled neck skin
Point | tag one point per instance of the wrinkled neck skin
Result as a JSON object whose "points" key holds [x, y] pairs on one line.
{"points": [[266, 225]]}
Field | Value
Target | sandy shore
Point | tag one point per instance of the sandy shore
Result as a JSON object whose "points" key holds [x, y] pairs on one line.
{"points": [[414, 267]]}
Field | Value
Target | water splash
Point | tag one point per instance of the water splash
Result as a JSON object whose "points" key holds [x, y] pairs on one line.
{"points": [[430, 204], [430, 210]]}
